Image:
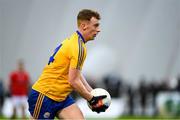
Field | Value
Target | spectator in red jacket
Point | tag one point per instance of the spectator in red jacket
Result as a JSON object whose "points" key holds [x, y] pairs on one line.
{"points": [[19, 86]]}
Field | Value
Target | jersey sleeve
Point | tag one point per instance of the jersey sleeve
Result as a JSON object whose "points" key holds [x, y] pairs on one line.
{"points": [[77, 56]]}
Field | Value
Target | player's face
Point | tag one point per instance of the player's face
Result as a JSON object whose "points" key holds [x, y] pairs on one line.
{"points": [[92, 28], [20, 66]]}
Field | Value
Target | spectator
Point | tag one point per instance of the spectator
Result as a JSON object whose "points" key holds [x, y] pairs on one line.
{"points": [[143, 95], [1, 96], [19, 84], [178, 84], [112, 84], [131, 95], [153, 89]]}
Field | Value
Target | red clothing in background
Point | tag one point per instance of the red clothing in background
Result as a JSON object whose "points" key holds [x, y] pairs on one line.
{"points": [[19, 82]]}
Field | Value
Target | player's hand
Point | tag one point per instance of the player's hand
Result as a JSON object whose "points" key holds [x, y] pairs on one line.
{"points": [[97, 103], [99, 109], [96, 99]]}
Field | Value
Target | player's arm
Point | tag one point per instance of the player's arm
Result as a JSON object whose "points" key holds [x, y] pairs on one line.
{"points": [[76, 54], [86, 84], [77, 84]]}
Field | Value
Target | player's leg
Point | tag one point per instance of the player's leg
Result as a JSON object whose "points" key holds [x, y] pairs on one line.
{"points": [[71, 112], [23, 111], [13, 116], [15, 105], [31, 118], [23, 101]]}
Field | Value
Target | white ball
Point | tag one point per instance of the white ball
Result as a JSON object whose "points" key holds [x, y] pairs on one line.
{"points": [[99, 92]]}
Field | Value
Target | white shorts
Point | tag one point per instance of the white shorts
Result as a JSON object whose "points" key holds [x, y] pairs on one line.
{"points": [[19, 101]]}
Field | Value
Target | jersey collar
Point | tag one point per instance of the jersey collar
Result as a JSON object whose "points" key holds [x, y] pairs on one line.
{"points": [[80, 36]]}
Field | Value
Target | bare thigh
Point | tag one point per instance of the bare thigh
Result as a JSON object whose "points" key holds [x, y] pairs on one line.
{"points": [[71, 112]]}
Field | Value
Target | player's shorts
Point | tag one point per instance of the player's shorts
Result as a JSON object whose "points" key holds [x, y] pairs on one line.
{"points": [[18, 101], [42, 107]]}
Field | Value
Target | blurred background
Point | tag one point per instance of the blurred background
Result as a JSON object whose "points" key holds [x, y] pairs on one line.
{"points": [[136, 56]]}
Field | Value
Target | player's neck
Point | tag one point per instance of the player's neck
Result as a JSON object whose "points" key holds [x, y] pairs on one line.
{"points": [[80, 32]]}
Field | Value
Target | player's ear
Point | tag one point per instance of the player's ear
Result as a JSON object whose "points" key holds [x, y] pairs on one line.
{"points": [[83, 26]]}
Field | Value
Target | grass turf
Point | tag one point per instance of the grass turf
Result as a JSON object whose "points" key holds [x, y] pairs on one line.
{"points": [[124, 118]]}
